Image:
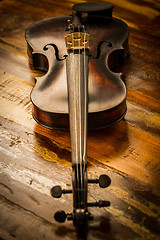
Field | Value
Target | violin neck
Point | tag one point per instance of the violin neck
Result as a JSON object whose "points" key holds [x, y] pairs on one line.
{"points": [[77, 80]]}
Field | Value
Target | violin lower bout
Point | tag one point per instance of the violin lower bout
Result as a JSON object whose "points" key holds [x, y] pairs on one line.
{"points": [[96, 120]]}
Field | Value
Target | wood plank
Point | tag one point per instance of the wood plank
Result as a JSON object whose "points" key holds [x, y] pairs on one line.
{"points": [[33, 158]]}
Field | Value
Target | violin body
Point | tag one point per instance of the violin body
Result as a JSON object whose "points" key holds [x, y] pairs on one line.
{"points": [[106, 91]]}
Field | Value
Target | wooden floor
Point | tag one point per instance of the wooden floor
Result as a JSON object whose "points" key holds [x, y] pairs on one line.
{"points": [[33, 159]]}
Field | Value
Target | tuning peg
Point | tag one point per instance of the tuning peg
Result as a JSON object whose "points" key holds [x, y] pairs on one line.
{"points": [[104, 181], [57, 191], [60, 216], [99, 204]]}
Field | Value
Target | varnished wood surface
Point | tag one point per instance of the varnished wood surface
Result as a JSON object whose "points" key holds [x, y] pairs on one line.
{"points": [[33, 159]]}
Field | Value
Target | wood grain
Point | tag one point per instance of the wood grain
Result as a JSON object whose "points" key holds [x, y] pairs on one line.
{"points": [[33, 158]]}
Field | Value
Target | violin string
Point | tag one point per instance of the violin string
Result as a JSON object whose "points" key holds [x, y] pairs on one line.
{"points": [[77, 155], [85, 112], [82, 147], [83, 47], [79, 125], [80, 112], [75, 112]]}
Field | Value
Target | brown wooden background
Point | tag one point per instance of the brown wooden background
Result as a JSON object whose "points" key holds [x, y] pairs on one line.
{"points": [[33, 159]]}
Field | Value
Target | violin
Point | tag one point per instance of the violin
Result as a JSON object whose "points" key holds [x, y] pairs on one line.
{"points": [[79, 90]]}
